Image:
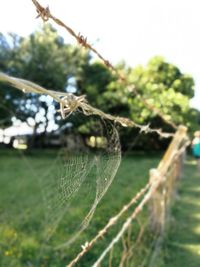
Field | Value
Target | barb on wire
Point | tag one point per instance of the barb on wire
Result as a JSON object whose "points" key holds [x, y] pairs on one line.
{"points": [[129, 220], [156, 179], [70, 103], [45, 14], [111, 222]]}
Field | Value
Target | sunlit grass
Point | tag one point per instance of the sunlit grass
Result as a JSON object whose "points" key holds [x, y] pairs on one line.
{"points": [[182, 247], [20, 237], [191, 162]]}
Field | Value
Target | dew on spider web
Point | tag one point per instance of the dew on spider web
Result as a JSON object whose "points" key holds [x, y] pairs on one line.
{"points": [[72, 190], [61, 202]]}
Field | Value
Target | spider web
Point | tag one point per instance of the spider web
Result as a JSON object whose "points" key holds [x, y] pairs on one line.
{"points": [[61, 202], [72, 190]]}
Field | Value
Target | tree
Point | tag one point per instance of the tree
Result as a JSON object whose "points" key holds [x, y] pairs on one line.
{"points": [[162, 84], [165, 87], [8, 96], [44, 58]]}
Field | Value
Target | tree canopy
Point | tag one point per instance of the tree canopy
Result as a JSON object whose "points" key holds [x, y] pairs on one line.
{"points": [[44, 57]]}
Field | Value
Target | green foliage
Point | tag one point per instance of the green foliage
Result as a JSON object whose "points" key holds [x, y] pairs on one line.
{"points": [[165, 87], [93, 82], [21, 241], [8, 96], [162, 84], [44, 58]]}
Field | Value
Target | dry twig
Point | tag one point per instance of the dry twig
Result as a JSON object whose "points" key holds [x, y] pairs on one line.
{"points": [[70, 103]]}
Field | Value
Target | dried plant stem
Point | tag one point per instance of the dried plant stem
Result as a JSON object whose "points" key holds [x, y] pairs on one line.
{"points": [[70, 103]]}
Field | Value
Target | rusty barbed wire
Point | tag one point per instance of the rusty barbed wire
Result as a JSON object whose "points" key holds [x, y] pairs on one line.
{"points": [[70, 103], [88, 245], [129, 220], [45, 14], [156, 179], [155, 183]]}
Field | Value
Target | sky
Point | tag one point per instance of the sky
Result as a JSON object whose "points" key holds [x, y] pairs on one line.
{"points": [[130, 30]]}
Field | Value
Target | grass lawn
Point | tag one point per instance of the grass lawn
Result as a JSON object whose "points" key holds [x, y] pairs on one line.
{"points": [[182, 247], [22, 211]]}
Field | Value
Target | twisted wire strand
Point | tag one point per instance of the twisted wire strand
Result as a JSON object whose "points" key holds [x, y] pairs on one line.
{"points": [[157, 180], [111, 222], [45, 14], [70, 103]]}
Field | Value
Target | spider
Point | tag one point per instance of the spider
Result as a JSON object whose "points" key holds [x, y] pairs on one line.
{"points": [[70, 103]]}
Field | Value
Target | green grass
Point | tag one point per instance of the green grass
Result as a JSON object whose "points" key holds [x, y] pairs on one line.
{"points": [[182, 247], [22, 209]]}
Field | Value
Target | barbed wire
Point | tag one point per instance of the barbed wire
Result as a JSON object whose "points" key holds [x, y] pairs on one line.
{"points": [[156, 178], [155, 181], [88, 245], [128, 221], [45, 14], [70, 103]]}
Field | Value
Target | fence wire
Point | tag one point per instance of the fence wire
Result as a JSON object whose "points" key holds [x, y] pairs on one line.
{"points": [[70, 103], [45, 14], [158, 193]]}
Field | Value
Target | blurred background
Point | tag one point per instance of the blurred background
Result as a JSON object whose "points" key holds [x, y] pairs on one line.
{"points": [[155, 44]]}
